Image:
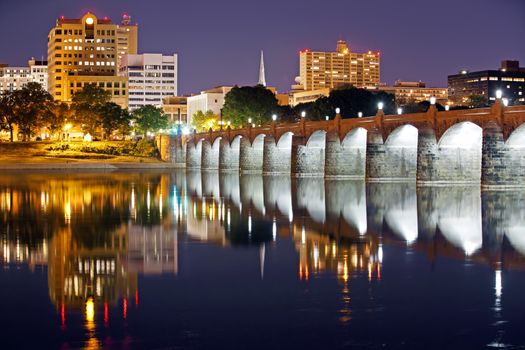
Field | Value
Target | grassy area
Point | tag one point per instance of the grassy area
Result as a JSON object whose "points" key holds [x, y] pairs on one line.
{"points": [[61, 152]]}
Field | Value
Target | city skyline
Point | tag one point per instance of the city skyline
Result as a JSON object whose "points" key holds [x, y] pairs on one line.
{"points": [[236, 52]]}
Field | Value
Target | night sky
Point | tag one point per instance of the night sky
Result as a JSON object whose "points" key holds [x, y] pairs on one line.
{"points": [[219, 42]]}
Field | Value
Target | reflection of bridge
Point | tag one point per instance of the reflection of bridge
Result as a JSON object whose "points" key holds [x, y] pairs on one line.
{"points": [[463, 222], [466, 146]]}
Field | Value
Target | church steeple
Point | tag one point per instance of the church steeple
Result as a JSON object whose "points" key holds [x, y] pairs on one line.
{"points": [[262, 76]]}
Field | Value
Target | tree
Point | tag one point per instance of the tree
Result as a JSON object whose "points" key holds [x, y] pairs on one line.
{"points": [[7, 114], [57, 116], [205, 120], [242, 103], [150, 119], [477, 101], [113, 118], [31, 104], [87, 105], [350, 100]]}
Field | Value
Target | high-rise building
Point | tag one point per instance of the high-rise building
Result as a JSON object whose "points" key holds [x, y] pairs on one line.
{"points": [[84, 51], [320, 70], [127, 38], [151, 77], [14, 78], [510, 79]]}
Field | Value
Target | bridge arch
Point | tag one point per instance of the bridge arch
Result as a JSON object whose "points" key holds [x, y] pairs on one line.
{"points": [[277, 156], [229, 154], [251, 154], [396, 158], [210, 154], [503, 162], [308, 158], [455, 158], [346, 158], [194, 154]]}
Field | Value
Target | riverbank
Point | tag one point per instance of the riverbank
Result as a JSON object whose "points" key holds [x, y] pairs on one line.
{"points": [[54, 156]]}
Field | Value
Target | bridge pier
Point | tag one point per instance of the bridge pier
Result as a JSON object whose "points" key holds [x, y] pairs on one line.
{"points": [[251, 155], [347, 158], [229, 154], [393, 160], [178, 152], [308, 159], [456, 158], [277, 155], [210, 154], [194, 155], [503, 163]]}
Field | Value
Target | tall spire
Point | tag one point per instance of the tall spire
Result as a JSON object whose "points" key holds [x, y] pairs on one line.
{"points": [[262, 76]]}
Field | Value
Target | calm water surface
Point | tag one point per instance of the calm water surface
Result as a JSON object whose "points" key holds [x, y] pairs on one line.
{"points": [[191, 260]]}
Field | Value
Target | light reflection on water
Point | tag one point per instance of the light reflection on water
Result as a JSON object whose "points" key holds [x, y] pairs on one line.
{"points": [[102, 238]]}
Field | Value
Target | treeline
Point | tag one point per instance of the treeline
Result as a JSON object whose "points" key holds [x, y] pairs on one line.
{"points": [[32, 109], [257, 104]]}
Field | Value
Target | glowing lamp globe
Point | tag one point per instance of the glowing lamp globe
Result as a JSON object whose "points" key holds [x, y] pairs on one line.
{"points": [[89, 21], [499, 94], [380, 105], [338, 110], [433, 100]]}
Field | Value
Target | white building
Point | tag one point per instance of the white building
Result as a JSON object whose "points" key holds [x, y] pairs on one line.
{"points": [[150, 78], [39, 72], [14, 78], [208, 100]]}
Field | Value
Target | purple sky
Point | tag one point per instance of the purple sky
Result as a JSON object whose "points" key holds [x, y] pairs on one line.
{"points": [[218, 41]]}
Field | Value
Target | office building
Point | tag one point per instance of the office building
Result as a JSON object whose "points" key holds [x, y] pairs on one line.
{"points": [[306, 96], [176, 108], [510, 79], [415, 91], [38, 71], [14, 78], [84, 51], [151, 77], [127, 38], [208, 100], [320, 70]]}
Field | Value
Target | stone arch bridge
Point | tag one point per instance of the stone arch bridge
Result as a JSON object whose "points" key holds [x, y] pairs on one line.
{"points": [[485, 145]]}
